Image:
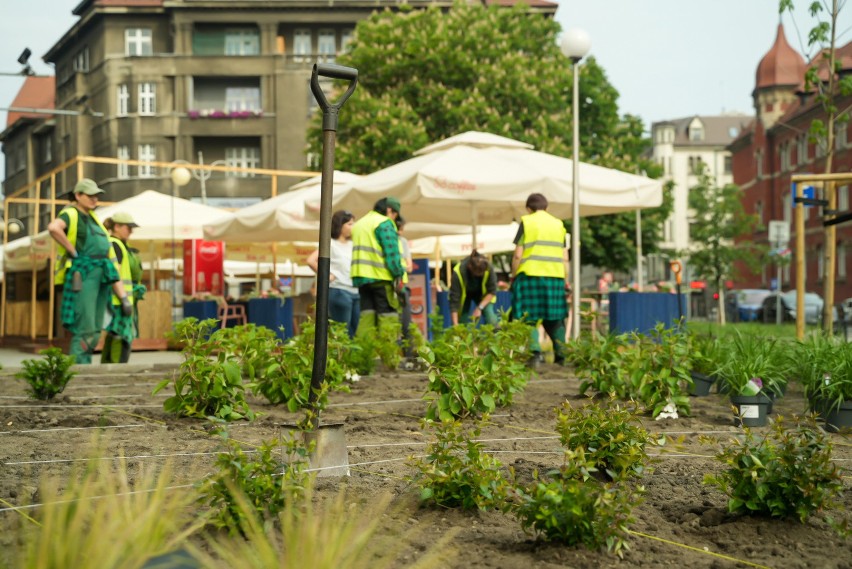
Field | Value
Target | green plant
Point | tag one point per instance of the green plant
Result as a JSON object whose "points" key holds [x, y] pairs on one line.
{"points": [[260, 477], [474, 370], [287, 379], [611, 437], [786, 473], [106, 517], [326, 534], [455, 472], [387, 344], [598, 363], [209, 382], [705, 354], [568, 506], [824, 367], [49, 376], [747, 357], [253, 346]]}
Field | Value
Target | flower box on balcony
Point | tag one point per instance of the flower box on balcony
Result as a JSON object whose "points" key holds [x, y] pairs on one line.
{"points": [[219, 114]]}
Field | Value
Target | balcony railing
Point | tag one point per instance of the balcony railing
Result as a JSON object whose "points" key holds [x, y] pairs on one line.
{"points": [[220, 114]]}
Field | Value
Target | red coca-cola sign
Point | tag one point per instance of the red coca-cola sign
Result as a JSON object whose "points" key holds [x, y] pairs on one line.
{"points": [[203, 267]]}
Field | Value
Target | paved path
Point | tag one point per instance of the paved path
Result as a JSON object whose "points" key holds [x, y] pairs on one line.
{"points": [[12, 358]]}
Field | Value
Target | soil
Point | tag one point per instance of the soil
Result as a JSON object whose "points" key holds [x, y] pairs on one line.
{"points": [[45, 438]]}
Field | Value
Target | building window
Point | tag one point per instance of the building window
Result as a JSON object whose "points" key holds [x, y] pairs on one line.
{"points": [[758, 163], [696, 165], [345, 39], [802, 143], [147, 153], [840, 136], [784, 155], [326, 45], [729, 169], [758, 211], [48, 149], [820, 147], [123, 168], [242, 41], [696, 133], [841, 260], [138, 41], [123, 100], [242, 157], [242, 99], [81, 60], [301, 44], [843, 198], [147, 99], [787, 201]]}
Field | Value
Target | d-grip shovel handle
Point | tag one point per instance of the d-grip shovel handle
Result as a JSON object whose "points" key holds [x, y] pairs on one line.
{"points": [[329, 110]]}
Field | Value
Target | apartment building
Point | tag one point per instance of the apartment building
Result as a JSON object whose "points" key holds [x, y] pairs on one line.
{"points": [[165, 80]]}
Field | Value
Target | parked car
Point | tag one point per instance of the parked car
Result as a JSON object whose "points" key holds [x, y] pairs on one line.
{"points": [[749, 301], [813, 308]]}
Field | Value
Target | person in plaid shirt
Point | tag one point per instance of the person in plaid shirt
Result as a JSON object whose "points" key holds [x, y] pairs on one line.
{"points": [[540, 275]]}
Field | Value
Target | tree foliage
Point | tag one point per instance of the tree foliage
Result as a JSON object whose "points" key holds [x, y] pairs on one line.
{"points": [[426, 75], [718, 219]]}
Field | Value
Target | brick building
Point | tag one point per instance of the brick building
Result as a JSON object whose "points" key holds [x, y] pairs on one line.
{"points": [[777, 145]]}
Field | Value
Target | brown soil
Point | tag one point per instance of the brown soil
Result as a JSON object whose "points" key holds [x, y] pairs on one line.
{"points": [[385, 409]]}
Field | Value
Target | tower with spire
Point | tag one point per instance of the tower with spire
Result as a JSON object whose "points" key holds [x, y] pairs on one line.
{"points": [[779, 77]]}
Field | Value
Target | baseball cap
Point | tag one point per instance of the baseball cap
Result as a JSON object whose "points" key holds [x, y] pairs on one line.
{"points": [[124, 218], [393, 203], [87, 186]]}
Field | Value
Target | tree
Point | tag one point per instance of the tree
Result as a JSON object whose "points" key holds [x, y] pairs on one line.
{"points": [[429, 74], [825, 79], [718, 219]]}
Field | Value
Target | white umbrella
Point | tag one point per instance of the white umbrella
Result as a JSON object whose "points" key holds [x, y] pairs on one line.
{"points": [[479, 178], [282, 218], [490, 239]]}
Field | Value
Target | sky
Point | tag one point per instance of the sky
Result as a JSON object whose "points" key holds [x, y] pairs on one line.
{"points": [[667, 58]]}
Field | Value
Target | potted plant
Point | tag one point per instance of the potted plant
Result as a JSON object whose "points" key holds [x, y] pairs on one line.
{"points": [[824, 366], [751, 361], [705, 358]]}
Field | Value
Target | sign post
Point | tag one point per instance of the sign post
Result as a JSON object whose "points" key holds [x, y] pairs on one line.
{"points": [[779, 237]]}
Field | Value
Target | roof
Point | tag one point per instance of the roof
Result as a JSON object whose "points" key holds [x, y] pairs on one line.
{"points": [[782, 65], [35, 93], [718, 129]]}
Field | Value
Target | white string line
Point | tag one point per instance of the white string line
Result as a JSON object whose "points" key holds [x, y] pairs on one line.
{"points": [[109, 385], [132, 492], [79, 397], [319, 468], [80, 428], [138, 456], [71, 406], [376, 402]]}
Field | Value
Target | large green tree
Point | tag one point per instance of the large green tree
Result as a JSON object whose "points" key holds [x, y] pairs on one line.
{"points": [[429, 74], [718, 219]]}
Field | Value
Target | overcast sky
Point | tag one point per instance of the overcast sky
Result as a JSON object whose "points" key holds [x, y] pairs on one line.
{"points": [[667, 58]]}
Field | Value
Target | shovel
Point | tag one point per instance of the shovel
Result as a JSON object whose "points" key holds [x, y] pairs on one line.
{"points": [[330, 450]]}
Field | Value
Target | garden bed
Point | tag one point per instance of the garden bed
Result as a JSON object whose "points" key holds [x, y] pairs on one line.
{"points": [[38, 438]]}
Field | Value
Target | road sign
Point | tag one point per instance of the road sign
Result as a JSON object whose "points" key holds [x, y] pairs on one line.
{"points": [[779, 232]]}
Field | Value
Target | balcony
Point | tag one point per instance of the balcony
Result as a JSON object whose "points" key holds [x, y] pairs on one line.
{"points": [[220, 114]]}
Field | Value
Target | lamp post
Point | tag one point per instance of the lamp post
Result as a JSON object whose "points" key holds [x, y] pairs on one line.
{"points": [[180, 177], [575, 45], [201, 173]]}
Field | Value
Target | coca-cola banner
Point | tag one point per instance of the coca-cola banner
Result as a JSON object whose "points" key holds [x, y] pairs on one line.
{"points": [[203, 267]]}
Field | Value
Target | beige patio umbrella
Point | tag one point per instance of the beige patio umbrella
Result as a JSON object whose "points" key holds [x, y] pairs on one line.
{"points": [[478, 178]]}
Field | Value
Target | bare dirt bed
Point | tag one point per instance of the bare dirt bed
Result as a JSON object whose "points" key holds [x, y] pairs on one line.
{"points": [[382, 428]]}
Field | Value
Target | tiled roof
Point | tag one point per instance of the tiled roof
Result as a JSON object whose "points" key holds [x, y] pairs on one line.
{"points": [[782, 65], [35, 93], [718, 129]]}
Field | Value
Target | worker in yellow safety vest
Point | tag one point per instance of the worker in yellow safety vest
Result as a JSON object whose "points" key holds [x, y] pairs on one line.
{"points": [[377, 266], [473, 283], [540, 276], [122, 329], [86, 268]]}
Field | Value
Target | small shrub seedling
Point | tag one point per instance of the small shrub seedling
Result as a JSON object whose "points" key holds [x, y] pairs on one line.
{"points": [[48, 376]]}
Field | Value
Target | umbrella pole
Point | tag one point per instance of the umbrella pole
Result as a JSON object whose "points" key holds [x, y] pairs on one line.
{"points": [[329, 133], [474, 216], [639, 279]]}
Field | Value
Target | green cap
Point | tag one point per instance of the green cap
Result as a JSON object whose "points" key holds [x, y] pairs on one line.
{"points": [[87, 186], [393, 203], [124, 218]]}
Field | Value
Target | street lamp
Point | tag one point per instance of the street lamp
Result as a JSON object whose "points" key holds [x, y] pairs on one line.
{"points": [[15, 225], [180, 177], [575, 45], [201, 173]]}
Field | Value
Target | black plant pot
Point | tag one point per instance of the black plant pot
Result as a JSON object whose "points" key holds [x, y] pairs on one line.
{"points": [[701, 384], [752, 410], [840, 418]]}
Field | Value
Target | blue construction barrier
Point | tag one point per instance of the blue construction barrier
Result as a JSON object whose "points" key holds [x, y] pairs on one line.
{"points": [[642, 311]]}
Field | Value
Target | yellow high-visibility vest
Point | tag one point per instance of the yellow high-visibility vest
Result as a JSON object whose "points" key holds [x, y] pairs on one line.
{"points": [[458, 272], [543, 243], [63, 259], [367, 259]]}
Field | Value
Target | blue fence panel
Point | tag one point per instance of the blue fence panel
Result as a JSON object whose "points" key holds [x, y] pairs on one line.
{"points": [[641, 311]]}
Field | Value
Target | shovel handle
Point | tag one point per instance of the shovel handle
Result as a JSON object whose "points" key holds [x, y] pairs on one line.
{"points": [[330, 110]]}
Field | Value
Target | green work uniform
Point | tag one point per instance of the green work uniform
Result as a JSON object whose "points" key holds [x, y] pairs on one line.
{"points": [[83, 310]]}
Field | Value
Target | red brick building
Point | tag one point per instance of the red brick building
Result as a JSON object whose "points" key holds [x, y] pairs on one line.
{"points": [[776, 146]]}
